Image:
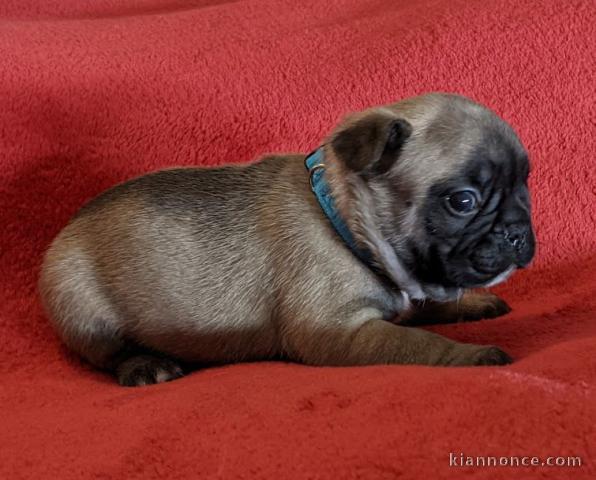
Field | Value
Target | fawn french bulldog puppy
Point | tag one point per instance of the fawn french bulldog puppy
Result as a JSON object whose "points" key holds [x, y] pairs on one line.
{"points": [[397, 213]]}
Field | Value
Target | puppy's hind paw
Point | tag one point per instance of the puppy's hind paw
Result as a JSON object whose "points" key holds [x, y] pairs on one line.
{"points": [[468, 355], [147, 370], [491, 356]]}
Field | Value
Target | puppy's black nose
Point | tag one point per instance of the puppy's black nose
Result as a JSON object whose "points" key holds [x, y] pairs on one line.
{"points": [[516, 237], [520, 239]]}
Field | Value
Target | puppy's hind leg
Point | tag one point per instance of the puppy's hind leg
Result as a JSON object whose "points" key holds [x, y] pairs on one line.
{"points": [[90, 325], [96, 338]]}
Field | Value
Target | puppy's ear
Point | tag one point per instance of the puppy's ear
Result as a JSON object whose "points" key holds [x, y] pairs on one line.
{"points": [[371, 144]]}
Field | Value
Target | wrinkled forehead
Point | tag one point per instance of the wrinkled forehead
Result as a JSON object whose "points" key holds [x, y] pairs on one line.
{"points": [[465, 139], [498, 153]]}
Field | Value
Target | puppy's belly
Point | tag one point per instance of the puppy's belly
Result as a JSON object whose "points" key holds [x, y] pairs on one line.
{"points": [[202, 344], [191, 312]]}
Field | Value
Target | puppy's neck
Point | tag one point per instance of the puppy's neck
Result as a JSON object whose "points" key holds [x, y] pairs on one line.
{"points": [[354, 203]]}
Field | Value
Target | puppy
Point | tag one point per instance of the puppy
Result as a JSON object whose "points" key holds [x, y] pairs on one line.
{"points": [[397, 213]]}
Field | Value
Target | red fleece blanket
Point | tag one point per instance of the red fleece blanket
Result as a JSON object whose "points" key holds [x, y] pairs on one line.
{"points": [[93, 93]]}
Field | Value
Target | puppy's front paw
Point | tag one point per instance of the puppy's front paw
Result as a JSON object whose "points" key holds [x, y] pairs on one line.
{"points": [[472, 355], [475, 306], [471, 306]]}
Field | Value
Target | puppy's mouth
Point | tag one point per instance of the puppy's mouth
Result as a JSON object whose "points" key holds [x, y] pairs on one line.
{"points": [[446, 293], [468, 275], [501, 277], [494, 279]]}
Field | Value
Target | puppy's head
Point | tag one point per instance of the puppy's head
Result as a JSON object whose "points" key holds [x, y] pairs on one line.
{"points": [[435, 186]]}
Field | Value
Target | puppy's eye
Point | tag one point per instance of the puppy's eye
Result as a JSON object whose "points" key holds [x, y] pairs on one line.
{"points": [[462, 202]]}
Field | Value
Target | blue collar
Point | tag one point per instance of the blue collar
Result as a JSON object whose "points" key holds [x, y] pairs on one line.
{"points": [[315, 164]]}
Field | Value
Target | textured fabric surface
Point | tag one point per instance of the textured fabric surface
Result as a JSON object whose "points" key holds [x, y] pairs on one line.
{"points": [[93, 93]]}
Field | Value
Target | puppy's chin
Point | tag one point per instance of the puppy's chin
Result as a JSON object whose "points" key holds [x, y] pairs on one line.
{"points": [[440, 293], [501, 277], [471, 278]]}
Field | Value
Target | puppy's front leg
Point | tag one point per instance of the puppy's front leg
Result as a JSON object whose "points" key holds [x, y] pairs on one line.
{"points": [[370, 341], [470, 307]]}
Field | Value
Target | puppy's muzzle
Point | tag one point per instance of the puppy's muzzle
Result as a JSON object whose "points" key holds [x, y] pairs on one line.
{"points": [[520, 239]]}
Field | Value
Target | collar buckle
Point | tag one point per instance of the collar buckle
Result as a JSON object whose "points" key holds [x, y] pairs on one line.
{"points": [[314, 162], [312, 170]]}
